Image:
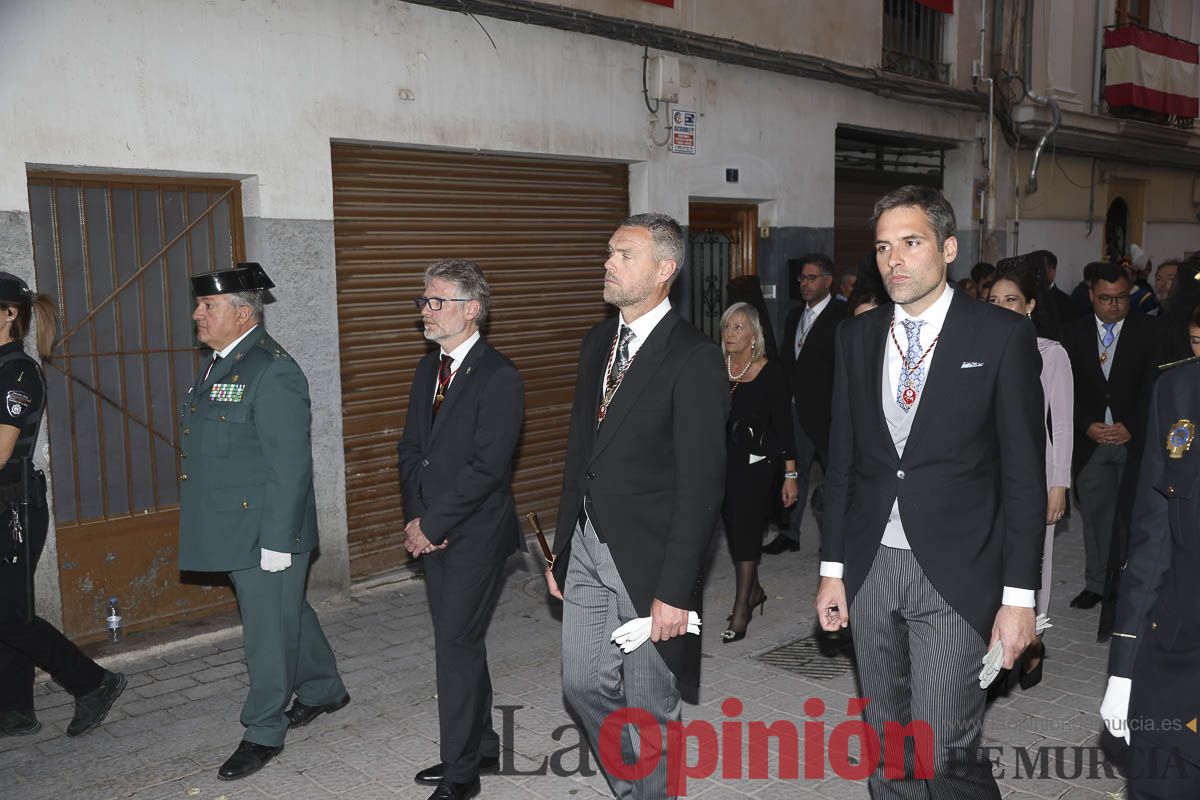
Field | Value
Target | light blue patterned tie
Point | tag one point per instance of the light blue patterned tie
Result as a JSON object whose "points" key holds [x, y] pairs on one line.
{"points": [[914, 378], [1109, 336]]}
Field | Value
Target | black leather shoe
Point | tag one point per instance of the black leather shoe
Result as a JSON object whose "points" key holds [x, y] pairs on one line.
{"points": [[18, 723], [248, 759], [300, 714], [1086, 599], [92, 708], [780, 544], [455, 791], [434, 775]]}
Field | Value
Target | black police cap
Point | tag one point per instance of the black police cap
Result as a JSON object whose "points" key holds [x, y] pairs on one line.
{"points": [[249, 276], [14, 290]]}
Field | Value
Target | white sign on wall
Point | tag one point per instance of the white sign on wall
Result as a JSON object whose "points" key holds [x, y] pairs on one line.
{"points": [[683, 132]]}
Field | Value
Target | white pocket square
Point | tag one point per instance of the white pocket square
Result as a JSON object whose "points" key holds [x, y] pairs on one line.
{"points": [[971, 364]]}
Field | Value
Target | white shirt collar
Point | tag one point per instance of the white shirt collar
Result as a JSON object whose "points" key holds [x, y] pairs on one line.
{"points": [[460, 352], [934, 316], [645, 324], [819, 307], [229, 349]]}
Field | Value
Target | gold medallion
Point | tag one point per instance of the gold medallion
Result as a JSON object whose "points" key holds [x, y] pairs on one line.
{"points": [[1180, 438]]}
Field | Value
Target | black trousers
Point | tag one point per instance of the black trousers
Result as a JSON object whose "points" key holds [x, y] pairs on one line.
{"points": [[24, 645], [461, 600], [1160, 773]]}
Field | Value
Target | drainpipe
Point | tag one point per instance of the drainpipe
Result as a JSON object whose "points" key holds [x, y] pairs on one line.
{"points": [[1098, 56], [1056, 118]]}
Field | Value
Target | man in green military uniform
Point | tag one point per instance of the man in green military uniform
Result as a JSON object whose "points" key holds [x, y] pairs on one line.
{"points": [[247, 508]]}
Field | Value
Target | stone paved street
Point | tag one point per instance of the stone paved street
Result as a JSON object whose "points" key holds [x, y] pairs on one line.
{"points": [[177, 721]]}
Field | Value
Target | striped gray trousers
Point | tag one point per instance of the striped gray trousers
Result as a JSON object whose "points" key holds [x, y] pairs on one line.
{"points": [[598, 678], [919, 660]]}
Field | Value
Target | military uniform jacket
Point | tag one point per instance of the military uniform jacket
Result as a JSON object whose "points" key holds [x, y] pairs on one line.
{"points": [[1156, 634], [246, 460]]}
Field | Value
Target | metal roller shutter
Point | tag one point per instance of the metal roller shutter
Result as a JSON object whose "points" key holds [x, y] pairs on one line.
{"points": [[537, 227]]}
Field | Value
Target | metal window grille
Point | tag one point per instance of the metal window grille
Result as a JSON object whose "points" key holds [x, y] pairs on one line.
{"points": [[711, 258], [117, 255], [912, 40]]}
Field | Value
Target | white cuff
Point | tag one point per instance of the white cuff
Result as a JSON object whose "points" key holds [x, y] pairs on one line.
{"points": [[835, 569], [273, 561], [1023, 598]]}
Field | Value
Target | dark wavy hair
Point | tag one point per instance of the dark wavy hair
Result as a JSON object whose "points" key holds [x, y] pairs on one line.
{"points": [[1028, 272]]}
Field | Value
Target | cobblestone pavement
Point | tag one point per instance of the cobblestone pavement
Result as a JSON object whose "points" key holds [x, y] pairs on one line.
{"points": [[178, 720]]}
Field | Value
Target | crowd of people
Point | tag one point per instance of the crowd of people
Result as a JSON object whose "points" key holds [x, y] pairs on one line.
{"points": [[935, 431]]}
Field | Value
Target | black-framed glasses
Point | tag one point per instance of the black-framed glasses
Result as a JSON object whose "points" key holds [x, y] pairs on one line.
{"points": [[435, 303]]}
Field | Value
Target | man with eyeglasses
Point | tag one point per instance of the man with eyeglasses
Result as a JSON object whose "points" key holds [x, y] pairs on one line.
{"points": [[806, 355], [1112, 362], [456, 461]]}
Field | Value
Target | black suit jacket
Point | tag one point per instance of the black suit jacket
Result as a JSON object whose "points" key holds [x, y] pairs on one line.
{"points": [[810, 376], [1125, 391], [456, 471], [653, 476], [1156, 636], [972, 482]]}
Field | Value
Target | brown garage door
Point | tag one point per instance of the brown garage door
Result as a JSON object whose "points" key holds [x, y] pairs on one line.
{"points": [[537, 227]]}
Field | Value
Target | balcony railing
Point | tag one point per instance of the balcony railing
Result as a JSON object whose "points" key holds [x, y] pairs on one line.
{"points": [[1151, 76], [912, 40]]}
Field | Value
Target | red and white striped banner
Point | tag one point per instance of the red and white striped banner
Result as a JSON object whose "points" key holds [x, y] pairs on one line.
{"points": [[1151, 70]]}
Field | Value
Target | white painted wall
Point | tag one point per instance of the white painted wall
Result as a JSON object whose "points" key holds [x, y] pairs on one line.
{"points": [[260, 87], [1171, 239], [1068, 240]]}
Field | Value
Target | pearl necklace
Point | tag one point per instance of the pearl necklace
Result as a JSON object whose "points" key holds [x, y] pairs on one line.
{"points": [[734, 380]]}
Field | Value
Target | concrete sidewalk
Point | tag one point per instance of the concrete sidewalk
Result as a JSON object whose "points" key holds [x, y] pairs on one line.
{"points": [[178, 720]]}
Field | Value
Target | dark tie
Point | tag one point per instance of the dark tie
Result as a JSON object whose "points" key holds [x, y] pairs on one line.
{"points": [[622, 359], [444, 376], [211, 364]]}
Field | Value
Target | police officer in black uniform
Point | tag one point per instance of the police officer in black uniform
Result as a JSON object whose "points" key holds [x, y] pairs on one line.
{"points": [[27, 640], [1153, 695]]}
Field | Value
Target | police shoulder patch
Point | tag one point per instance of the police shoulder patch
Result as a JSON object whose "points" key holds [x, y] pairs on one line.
{"points": [[17, 403]]}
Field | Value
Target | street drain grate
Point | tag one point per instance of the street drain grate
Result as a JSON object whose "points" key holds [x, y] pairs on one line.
{"points": [[810, 657]]}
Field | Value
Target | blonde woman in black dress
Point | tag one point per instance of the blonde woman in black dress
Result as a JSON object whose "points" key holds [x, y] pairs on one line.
{"points": [[759, 442]]}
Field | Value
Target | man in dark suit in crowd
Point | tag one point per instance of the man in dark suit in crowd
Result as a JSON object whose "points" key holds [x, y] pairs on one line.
{"points": [[1062, 301], [1154, 663], [642, 486], [935, 499], [806, 355], [464, 418], [1111, 354]]}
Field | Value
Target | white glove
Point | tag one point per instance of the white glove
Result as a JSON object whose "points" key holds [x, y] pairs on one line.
{"points": [[993, 659], [274, 562], [633, 634], [1114, 708]]}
